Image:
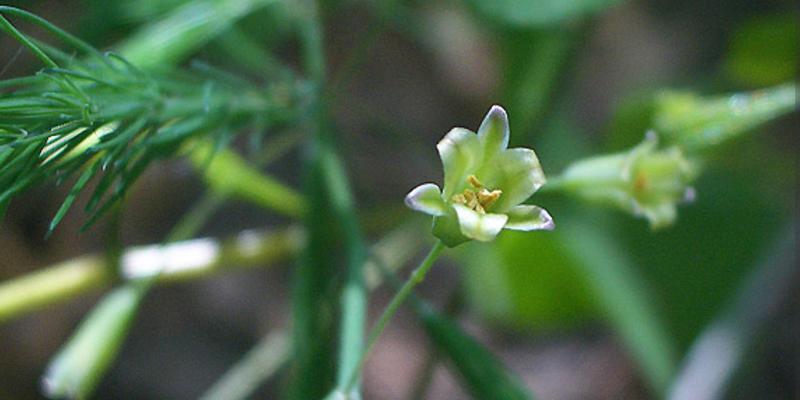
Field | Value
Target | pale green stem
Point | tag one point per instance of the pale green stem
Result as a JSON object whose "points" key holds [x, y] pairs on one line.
{"points": [[229, 174], [399, 298], [70, 279], [263, 360], [391, 252]]}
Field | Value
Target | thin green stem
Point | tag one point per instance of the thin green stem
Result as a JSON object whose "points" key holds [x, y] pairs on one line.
{"points": [[261, 362], [399, 298], [330, 213], [65, 36], [227, 173], [16, 34], [30, 45], [73, 278], [328, 169]]}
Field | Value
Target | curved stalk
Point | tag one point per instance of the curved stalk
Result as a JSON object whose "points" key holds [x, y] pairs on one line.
{"points": [[399, 298]]}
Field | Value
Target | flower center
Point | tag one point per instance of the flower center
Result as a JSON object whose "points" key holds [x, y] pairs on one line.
{"points": [[478, 198]]}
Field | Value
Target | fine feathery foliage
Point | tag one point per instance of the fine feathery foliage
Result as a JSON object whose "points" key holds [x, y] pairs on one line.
{"points": [[102, 116]]}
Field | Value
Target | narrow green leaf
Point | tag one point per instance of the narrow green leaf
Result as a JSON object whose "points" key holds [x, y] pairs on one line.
{"points": [[77, 368], [534, 62], [566, 277], [530, 13], [726, 344], [483, 375], [184, 30], [699, 123], [313, 308], [623, 296], [263, 360], [227, 173], [72, 195]]}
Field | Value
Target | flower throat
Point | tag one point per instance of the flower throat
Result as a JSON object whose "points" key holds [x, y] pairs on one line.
{"points": [[478, 198]]}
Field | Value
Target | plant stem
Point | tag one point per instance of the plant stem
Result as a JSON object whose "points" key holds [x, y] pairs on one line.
{"points": [[82, 275], [326, 169], [261, 362], [399, 298], [227, 173]]}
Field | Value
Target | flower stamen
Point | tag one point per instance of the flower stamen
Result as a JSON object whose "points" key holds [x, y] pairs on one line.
{"points": [[479, 198]]}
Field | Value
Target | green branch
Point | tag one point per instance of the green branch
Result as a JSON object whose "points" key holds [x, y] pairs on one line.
{"points": [[225, 172], [399, 298], [332, 212], [73, 278]]}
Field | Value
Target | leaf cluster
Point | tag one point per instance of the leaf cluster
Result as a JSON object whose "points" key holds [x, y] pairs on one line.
{"points": [[101, 116]]}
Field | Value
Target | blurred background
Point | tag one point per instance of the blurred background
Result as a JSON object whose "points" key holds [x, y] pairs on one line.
{"points": [[402, 74]]}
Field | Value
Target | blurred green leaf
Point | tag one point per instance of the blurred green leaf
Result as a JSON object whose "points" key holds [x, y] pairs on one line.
{"points": [[565, 277], [698, 264], [268, 356], [534, 62], [528, 282], [765, 51], [694, 122], [626, 299], [483, 375], [537, 12], [184, 30], [77, 368], [697, 123], [229, 174], [722, 350]]}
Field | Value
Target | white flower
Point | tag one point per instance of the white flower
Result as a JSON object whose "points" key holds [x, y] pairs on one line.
{"points": [[485, 183]]}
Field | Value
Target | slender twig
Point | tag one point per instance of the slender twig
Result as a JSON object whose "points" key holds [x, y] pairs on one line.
{"points": [[326, 164], [399, 298], [73, 278], [261, 362]]}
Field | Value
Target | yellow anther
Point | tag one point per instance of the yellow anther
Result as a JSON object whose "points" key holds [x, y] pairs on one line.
{"points": [[474, 182], [478, 199], [487, 198]]}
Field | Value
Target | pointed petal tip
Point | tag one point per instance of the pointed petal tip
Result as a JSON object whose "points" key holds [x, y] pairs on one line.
{"points": [[689, 196], [548, 224], [498, 111], [497, 114], [426, 198]]}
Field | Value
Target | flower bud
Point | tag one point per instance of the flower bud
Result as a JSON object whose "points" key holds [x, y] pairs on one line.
{"points": [[643, 181]]}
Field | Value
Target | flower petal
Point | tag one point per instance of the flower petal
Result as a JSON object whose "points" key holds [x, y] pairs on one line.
{"points": [[460, 152], [428, 199], [482, 227], [518, 174], [493, 132], [529, 218]]}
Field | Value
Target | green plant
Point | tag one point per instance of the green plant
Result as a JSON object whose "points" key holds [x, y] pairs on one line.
{"points": [[97, 121]]}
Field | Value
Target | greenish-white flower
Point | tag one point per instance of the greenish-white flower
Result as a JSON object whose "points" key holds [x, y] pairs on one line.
{"points": [[485, 184], [644, 181]]}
